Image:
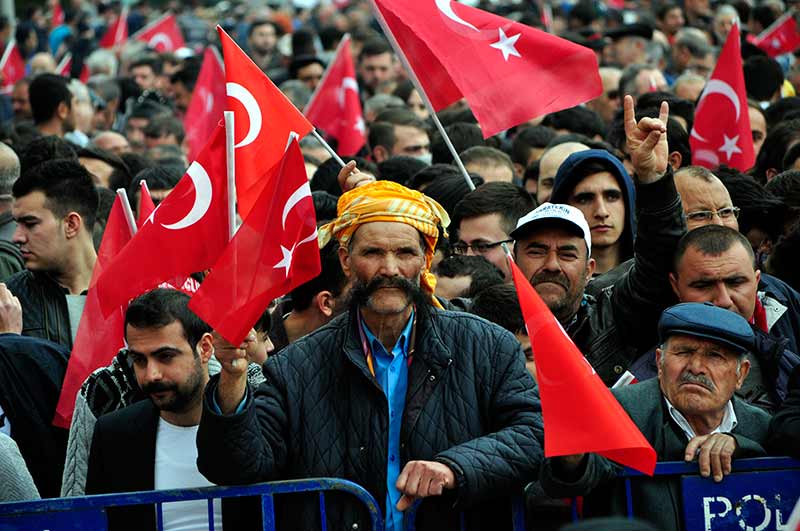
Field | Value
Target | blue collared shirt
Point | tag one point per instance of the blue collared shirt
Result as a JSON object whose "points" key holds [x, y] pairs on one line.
{"points": [[391, 372]]}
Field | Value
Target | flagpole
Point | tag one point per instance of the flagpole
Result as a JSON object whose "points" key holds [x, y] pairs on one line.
{"points": [[422, 94], [345, 38], [123, 17], [230, 152], [61, 64], [126, 208], [328, 148]]}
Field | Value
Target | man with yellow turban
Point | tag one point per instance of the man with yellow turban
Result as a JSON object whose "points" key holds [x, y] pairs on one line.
{"points": [[397, 395]]}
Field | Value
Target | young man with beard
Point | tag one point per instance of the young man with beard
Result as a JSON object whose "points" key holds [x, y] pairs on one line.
{"points": [[403, 398], [151, 443]]}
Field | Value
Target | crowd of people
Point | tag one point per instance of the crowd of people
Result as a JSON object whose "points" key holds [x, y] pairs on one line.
{"points": [[405, 365]]}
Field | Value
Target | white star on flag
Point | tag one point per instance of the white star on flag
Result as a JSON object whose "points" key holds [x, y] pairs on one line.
{"points": [[359, 126], [729, 146], [286, 261], [506, 44]]}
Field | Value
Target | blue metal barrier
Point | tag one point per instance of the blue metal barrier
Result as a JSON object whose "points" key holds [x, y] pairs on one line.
{"points": [[517, 516], [758, 494], [88, 512]]}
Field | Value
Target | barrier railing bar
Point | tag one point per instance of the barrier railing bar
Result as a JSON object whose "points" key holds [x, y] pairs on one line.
{"points": [[744, 465], [268, 512], [628, 497], [323, 515], [159, 517], [517, 513], [211, 514]]}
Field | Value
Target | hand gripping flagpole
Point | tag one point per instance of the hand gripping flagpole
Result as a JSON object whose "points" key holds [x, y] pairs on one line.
{"points": [[413, 76], [126, 208], [230, 152]]}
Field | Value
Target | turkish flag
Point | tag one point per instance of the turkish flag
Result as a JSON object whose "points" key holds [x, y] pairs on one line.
{"points": [[335, 106], [264, 120], [117, 32], [57, 15], [782, 36], [207, 105], [64, 68], [99, 336], [12, 67], [580, 413], [721, 132], [163, 35], [146, 205], [186, 232], [508, 72], [274, 251]]}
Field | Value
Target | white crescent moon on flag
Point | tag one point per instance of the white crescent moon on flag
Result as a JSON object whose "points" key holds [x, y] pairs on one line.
{"points": [[160, 38], [298, 195], [202, 197], [717, 86], [235, 90], [706, 155], [348, 83], [446, 7]]}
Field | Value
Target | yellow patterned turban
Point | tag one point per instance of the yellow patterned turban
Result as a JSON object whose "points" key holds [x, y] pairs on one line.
{"points": [[389, 201]]}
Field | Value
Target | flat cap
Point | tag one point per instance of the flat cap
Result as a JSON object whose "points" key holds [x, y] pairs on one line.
{"points": [[707, 321]]}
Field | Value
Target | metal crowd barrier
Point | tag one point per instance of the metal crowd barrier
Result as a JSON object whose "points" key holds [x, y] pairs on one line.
{"points": [[88, 512], [758, 495]]}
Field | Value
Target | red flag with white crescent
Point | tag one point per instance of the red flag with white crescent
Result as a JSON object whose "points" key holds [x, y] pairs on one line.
{"points": [[274, 251], [509, 73], [185, 234], [782, 36], [163, 35], [207, 105], [12, 66], [721, 133], [264, 119], [117, 32], [335, 107]]}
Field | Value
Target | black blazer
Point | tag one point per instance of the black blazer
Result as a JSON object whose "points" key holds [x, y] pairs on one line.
{"points": [[122, 459]]}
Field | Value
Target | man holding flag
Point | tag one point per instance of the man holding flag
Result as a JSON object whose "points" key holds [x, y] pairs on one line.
{"points": [[702, 360], [407, 400]]}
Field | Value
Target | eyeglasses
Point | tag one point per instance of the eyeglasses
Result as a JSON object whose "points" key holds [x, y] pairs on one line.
{"points": [[708, 215], [479, 248]]}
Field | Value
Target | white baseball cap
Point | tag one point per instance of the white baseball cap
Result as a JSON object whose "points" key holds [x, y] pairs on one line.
{"points": [[549, 212]]}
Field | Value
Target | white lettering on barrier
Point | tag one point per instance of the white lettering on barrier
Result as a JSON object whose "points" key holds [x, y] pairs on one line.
{"points": [[767, 514], [708, 515]]}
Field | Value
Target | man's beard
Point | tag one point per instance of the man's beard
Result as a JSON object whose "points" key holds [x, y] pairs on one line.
{"points": [[361, 293], [183, 395]]}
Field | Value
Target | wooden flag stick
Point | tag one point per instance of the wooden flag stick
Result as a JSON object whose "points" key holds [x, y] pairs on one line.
{"points": [[230, 151], [328, 148]]}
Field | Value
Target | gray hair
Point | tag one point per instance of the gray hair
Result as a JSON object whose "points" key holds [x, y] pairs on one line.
{"points": [[297, 92], [380, 102], [102, 62], [9, 170]]}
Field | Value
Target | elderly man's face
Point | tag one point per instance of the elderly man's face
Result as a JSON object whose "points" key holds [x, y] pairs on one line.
{"points": [[727, 280], [700, 197], [385, 261], [555, 262], [698, 376]]}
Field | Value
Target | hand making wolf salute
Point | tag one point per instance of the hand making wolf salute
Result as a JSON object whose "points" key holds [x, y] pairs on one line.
{"points": [[395, 394]]}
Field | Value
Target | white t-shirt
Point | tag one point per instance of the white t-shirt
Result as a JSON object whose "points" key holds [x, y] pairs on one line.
{"points": [[176, 468]]}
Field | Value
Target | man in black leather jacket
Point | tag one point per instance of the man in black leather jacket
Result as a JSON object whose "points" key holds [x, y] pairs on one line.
{"points": [[620, 322], [54, 206]]}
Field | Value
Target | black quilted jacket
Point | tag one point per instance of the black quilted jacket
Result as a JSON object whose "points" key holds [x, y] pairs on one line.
{"points": [[470, 404]]}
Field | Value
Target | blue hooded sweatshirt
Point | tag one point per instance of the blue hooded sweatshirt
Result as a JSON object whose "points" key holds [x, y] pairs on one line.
{"points": [[569, 175]]}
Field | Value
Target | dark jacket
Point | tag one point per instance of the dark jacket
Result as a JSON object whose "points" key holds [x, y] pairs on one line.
{"points": [[44, 306], [470, 405], [122, 459], [614, 326], [784, 430], [10, 258], [658, 499], [31, 374], [777, 350], [569, 175]]}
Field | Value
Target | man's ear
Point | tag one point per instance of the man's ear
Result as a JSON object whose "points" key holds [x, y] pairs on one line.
{"points": [[379, 154], [325, 302], [344, 259], [590, 267], [675, 160], [743, 372], [73, 222], [673, 281], [205, 347], [62, 111], [659, 355]]}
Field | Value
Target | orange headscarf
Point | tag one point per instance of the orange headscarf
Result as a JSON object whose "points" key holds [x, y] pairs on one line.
{"points": [[389, 201]]}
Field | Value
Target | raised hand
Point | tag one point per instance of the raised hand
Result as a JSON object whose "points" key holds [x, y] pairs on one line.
{"points": [[647, 142]]}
